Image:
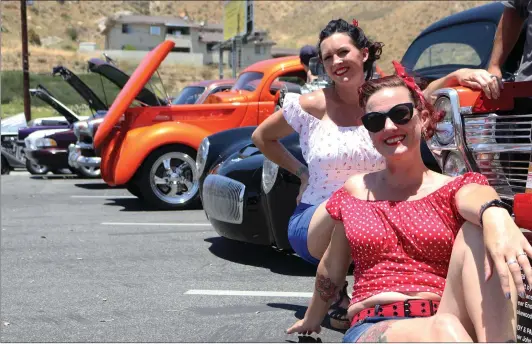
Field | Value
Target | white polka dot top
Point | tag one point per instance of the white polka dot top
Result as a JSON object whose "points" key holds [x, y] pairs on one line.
{"points": [[332, 153], [401, 246]]}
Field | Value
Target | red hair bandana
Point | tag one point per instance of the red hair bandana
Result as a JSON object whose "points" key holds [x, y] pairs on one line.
{"points": [[409, 81]]}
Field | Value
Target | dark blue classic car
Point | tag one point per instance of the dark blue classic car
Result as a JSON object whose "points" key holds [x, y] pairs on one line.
{"points": [[249, 198]]}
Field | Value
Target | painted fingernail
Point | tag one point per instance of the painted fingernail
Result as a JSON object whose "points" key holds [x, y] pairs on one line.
{"points": [[522, 294], [507, 295]]}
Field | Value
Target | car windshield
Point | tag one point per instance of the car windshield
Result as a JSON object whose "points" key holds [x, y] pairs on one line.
{"points": [[451, 48], [247, 81], [189, 95]]}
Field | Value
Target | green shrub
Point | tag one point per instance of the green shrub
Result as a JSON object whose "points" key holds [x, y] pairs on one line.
{"points": [[129, 47], [34, 37], [72, 33], [68, 46], [12, 87]]}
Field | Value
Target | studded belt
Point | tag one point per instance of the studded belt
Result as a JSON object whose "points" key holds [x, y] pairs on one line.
{"points": [[407, 308]]}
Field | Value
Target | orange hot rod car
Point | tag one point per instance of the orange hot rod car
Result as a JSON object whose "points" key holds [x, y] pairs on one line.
{"points": [[152, 149]]}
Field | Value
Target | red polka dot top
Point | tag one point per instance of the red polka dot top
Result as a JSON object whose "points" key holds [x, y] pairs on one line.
{"points": [[401, 246]]}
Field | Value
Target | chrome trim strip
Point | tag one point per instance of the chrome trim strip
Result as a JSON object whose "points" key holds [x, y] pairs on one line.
{"points": [[500, 148], [83, 145], [466, 110]]}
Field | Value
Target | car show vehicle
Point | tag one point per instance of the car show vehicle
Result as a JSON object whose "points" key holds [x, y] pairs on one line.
{"points": [[49, 149], [27, 135], [81, 154], [197, 92], [152, 150], [249, 198], [13, 156]]}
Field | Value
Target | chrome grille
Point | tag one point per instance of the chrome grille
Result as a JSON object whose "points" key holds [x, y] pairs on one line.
{"points": [[501, 146], [223, 198]]}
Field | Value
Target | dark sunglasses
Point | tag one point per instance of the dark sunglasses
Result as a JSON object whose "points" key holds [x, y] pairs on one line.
{"points": [[399, 114]]}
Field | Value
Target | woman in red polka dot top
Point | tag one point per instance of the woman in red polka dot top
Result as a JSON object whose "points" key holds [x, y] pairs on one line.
{"points": [[420, 241]]}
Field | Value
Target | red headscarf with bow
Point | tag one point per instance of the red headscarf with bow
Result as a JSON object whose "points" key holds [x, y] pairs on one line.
{"points": [[409, 81]]}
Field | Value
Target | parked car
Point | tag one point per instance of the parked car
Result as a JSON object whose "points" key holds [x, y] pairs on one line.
{"points": [[197, 92], [13, 156], [249, 198], [30, 134], [81, 153], [152, 150]]}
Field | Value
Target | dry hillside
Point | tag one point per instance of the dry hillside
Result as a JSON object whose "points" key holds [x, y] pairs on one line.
{"points": [[290, 23]]}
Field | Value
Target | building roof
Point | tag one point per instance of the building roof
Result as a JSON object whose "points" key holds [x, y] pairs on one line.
{"points": [[162, 20], [212, 37], [265, 42], [278, 51]]}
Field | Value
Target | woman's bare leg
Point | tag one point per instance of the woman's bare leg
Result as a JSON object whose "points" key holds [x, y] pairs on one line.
{"points": [[319, 231], [470, 307], [439, 328]]}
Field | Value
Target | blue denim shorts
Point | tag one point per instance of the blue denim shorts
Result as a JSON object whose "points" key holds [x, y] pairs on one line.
{"points": [[298, 231], [357, 330]]}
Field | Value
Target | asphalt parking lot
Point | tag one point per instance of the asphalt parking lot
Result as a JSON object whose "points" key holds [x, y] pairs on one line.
{"points": [[83, 262]]}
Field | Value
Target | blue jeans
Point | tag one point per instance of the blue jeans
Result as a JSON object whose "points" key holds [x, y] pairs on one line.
{"points": [[357, 330], [298, 231]]}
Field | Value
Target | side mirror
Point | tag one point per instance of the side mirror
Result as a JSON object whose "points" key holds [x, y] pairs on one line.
{"points": [[316, 67]]}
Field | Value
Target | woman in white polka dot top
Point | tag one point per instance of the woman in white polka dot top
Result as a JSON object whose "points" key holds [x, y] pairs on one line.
{"points": [[418, 239], [333, 141]]}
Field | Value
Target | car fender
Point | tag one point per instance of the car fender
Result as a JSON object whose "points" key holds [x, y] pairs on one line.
{"points": [[225, 143], [140, 142]]}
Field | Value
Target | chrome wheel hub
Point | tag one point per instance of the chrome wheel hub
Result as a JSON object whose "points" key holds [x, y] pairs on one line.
{"points": [[173, 178]]}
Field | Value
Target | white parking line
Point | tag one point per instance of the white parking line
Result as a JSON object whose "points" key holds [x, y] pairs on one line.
{"points": [[108, 196], [247, 293], [153, 224]]}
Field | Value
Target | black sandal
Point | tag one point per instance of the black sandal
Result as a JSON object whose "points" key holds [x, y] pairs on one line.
{"points": [[337, 314]]}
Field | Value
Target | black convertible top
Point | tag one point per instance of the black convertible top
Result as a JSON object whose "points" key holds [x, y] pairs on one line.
{"points": [[490, 12]]}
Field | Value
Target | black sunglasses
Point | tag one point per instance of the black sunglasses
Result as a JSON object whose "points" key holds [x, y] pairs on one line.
{"points": [[399, 114]]}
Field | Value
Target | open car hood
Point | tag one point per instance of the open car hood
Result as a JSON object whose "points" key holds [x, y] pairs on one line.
{"points": [[142, 74], [86, 93], [43, 94], [120, 79]]}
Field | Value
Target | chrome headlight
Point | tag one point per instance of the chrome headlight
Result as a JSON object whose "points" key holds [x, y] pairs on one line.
{"points": [[269, 174], [454, 165], [444, 133], [201, 157], [80, 127], [29, 143], [45, 143]]}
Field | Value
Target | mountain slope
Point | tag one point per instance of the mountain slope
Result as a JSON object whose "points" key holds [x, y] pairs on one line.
{"points": [[290, 23]]}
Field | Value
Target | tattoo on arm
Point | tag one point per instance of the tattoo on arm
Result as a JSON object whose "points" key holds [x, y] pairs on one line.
{"points": [[376, 333], [302, 170], [326, 288]]}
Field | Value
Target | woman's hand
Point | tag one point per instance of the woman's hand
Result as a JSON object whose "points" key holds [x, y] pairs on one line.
{"points": [[480, 79], [304, 327], [508, 249]]}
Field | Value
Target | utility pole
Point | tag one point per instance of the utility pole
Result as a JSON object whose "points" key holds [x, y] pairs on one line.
{"points": [[25, 61]]}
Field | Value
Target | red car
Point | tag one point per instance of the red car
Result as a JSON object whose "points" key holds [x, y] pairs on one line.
{"points": [[197, 92]]}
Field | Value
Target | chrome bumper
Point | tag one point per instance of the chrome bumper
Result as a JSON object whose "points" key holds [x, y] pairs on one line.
{"points": [[223, 198], [76, 160]]}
